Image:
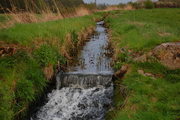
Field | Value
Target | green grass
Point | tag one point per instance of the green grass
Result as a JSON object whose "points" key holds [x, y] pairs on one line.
{"points": [[150, 99], [144, 29], [4, 18], [147, 98], [22, 79], [26, 34]]}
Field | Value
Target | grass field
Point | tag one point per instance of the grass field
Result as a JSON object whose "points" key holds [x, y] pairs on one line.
{"points": [[26, 34], [144, 29], [147, 98], [22, 79]]}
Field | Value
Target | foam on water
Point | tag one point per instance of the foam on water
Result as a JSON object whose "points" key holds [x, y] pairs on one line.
{"points": [[76, 104], [83, 80]]}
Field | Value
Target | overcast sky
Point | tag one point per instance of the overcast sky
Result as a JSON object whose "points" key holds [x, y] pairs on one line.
{"points": [[111, 2]]}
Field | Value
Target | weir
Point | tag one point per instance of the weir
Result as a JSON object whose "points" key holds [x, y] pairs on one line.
{"points": [[83, 80], [85, 91]]}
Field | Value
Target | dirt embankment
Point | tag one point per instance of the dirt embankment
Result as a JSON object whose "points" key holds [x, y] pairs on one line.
{"points": [[167, 53]]}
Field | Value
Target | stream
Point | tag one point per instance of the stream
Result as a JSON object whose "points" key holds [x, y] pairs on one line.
{"points": [[85, 91]]}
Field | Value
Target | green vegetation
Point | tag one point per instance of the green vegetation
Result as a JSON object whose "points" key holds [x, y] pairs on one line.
{"points": [[148, 98], [27, 34], [29, 11], [149, 4], [144, 29], [22, 76], [3, 18], [144, 97]]}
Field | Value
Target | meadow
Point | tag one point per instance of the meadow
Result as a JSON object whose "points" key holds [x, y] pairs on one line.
{"points": [[144, 29], [140, 97]]}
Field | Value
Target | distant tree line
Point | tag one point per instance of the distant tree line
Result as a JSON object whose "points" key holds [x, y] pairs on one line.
{"points": [[167, 4], [170, 0], [149, 4]]}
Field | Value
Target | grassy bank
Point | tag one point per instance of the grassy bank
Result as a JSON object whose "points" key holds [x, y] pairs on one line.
{"points": [[27, 34], [35, 50], [137, 96]]}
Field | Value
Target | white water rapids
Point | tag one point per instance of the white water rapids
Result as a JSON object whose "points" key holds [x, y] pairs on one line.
{"points": [[84, 93]]}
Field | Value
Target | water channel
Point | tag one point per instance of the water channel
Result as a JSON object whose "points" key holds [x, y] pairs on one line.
{"points": [[85, 91]]}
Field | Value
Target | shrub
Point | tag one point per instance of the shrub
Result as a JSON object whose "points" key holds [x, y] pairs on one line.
{"points": [[34, 74], [137, 5], [46, 55], [74, 37], [149, 4], [6, 112]]}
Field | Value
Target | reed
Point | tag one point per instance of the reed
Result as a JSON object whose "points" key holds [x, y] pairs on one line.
{"points": [[28, 11]]}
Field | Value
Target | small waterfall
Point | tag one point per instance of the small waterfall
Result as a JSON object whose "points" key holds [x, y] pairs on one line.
{"points": [[83, 80], [85, 91]]}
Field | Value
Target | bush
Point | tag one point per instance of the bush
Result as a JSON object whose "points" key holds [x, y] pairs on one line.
{"points": [[46, 55], [137, 5], [149, 4], [74, 37], [22, 81], [34, 74]]}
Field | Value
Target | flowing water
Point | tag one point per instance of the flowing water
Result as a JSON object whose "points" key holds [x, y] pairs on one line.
{"points": [[85, 92], [111, 2]]}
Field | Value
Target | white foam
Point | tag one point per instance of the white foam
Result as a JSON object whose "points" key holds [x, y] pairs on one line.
{"points": [[76, 104]]}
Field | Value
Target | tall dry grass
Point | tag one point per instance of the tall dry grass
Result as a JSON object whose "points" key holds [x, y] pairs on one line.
{"points": [[28, 11]]}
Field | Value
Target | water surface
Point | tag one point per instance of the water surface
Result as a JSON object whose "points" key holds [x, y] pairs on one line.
{"points": [[111, 2]]}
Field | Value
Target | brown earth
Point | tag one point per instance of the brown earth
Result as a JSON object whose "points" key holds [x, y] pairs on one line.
{"points": [[10, 49], [120, 73], [168, 54]]}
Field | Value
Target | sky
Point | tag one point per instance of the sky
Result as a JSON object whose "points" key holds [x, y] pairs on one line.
{"points": [[110, 2]]}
